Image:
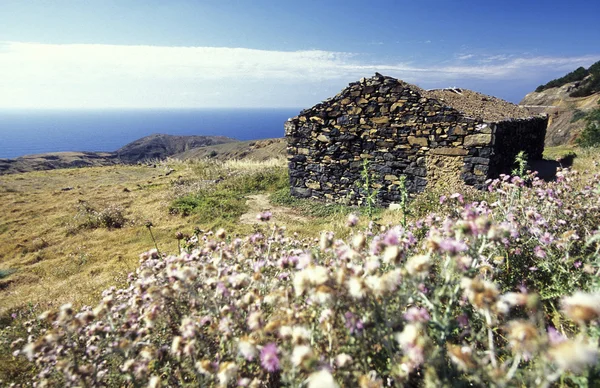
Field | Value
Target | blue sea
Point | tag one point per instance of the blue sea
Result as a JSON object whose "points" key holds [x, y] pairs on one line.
{"points": [[24, 132]]}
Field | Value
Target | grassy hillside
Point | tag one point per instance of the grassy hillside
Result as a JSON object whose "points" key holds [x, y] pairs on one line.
{"points": [[66, 235]]}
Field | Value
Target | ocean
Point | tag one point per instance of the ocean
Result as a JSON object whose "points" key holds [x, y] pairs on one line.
{"points": [[24, 132]]}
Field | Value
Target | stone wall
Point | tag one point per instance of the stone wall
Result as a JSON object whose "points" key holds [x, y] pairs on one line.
{"points": [[397, 131], [512, 136]]}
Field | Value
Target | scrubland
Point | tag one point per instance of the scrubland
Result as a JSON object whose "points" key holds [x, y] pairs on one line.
{"points": [[204, 273]]}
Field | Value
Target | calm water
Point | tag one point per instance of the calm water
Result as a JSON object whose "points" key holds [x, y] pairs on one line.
{"points": [[26, 132]]}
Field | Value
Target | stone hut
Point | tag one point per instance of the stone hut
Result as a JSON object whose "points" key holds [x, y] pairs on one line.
{"points": [[447, 135]]}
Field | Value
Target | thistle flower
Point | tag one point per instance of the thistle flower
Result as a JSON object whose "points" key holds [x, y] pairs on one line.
{"points": [[522, 336], [417, 314], [418, 266], [574, 355], [268, 357], [227, 373], [461, 356], [264, 216], [581, 307], [356, 287], [326, 240], [482, 294], [352, 220], [300, 354], [321, 379], [342, 360], [247, 348]]}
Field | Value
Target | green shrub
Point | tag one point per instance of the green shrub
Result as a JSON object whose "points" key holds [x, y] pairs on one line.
{"points": [[590, 137], [574, 76]]}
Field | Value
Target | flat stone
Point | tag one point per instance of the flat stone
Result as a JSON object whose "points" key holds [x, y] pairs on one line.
{"points": [[421, 141], [323, 138], [479, 139], [390, 177], [449, 151], [380, 120], [313, 185]]}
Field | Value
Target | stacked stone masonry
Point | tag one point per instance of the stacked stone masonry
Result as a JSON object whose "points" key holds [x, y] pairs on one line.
{"points": [[394, 129]]}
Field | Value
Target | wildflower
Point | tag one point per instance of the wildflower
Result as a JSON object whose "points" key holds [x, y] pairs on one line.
{"points": [[264, 216], [268, 357], [321, 379], [247, 348], [353, 324], [205, 367], [356, 287], [370, 380], [481, 293], [221, 233], [574, 355], [254, 320], [342, 360], [391, 254], [359, 241], [522, 336], [417, 314], [300, 354], [326, 240], [461, 356], [418, 266], [154, 382], [581, 307], [539, 252], [412, 341], [227, 373], [300, 334], [352, 220]]}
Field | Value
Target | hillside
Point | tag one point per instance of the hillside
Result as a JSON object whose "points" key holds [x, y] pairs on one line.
{"points": [[257, 150], [153, 147], [565, 112], [160, 146]]}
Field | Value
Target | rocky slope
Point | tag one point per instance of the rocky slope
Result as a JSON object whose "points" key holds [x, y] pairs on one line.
{"points": [[147, 148], [258, 150], [565, 113], [159, 146]]}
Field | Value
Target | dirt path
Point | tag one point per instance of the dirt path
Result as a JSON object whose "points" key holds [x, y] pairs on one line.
{"points": [[260, 202]]}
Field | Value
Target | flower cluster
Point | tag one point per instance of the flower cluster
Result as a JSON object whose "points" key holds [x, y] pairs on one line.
{"points": [[455, 296]]}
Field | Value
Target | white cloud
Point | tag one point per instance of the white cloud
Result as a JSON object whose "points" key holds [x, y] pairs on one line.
{"points": [[89, 75]]}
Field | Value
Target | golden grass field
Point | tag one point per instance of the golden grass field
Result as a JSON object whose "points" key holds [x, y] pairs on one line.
{"points": [[55, 262]]}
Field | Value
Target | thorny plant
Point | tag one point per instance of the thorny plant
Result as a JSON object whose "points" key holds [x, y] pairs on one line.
{"points": [[481, 294], [370, 193]]}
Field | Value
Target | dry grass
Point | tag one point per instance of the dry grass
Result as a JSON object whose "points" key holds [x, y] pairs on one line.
{"points": [[55, 261]]}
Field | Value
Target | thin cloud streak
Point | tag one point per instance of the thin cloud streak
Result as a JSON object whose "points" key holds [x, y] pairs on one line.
{"points": [[93, 75]]}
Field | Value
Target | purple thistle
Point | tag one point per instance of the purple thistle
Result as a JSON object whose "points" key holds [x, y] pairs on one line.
{"points": [[268, 357]]}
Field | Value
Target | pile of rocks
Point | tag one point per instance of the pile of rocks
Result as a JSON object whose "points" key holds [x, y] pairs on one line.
{"points": [[398, 129]]}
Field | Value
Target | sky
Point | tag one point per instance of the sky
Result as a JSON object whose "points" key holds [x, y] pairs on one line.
{"points": [[58, 54]]}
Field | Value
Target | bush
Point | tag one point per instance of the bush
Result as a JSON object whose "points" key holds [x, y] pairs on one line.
{"points": [[111, 217], [590, 137], [501, 291], [574, 76]]}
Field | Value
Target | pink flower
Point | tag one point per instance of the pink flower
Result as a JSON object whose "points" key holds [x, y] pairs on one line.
{"points": [[268, 357], [264, 216], [352, 220], [417, 314]]}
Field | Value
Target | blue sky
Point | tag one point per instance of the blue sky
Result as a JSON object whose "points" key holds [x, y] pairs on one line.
{"points": [[260, 53]]}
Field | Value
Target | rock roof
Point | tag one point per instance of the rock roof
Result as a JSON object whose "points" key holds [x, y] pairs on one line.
{"points": [[471, 104], [474, 104]]}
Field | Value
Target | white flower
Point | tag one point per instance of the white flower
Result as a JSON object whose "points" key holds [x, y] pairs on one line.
{"points": [[358, 242], [317, 275], [300, 334], [582, 307], [154, 382], [300, 354], [321, 379], [247, 348], [301, 282], [356, 288], [574, 355], [343, 359], [418, 265], [391, 254], [227, 373], [375, 284]]}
